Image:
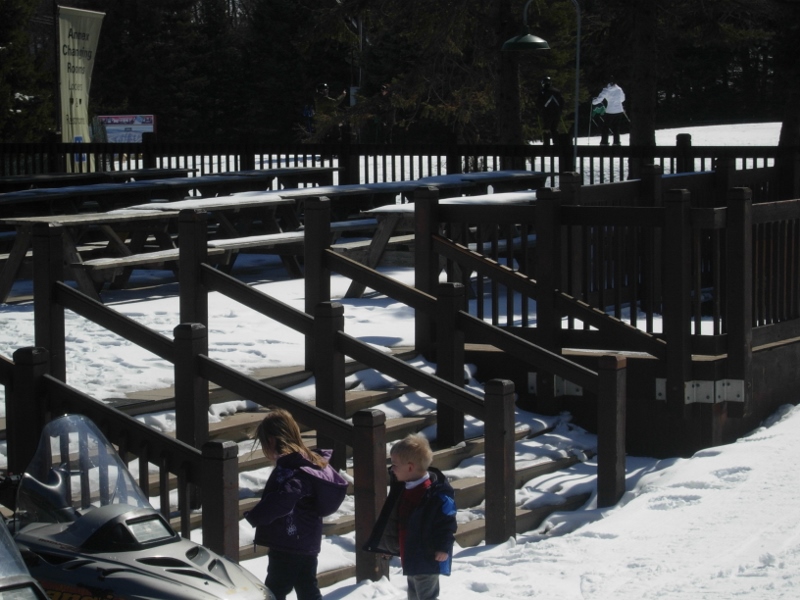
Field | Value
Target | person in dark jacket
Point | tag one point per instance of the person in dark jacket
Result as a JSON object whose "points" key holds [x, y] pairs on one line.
{"points": [[418, 520], [550, 102], [301, 490]]}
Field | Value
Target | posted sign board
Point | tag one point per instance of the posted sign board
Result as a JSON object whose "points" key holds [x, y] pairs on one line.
{"points": [[127, 128]]}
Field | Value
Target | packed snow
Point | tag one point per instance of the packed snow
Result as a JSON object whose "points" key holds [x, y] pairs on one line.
{"points": [[722, 524]]}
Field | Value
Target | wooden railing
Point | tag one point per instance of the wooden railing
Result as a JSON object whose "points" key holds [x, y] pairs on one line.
{"points": [[441, 329], [193, 370], [213, 468], [38, 390], [365, 163]]}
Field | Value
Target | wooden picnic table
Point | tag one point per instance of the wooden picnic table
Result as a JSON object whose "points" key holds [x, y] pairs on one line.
{"points": [[109, 196], [399, 218], [138, 226], [500, 181], [238, 214], [126, 232], [292, 177], [358, 197], [14, 183]]}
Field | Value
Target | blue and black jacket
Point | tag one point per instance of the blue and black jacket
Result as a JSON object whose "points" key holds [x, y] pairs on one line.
{"points": [[431, 527]]}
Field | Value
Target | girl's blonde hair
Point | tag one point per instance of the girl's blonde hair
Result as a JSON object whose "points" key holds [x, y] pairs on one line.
{"points": [[414, 448], [280, 425]]}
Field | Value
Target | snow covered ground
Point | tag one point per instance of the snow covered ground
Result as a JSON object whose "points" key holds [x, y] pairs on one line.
{"points": [[722, 524]]}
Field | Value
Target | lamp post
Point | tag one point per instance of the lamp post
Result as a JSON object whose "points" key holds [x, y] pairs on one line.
{"points": [[528, 41]]}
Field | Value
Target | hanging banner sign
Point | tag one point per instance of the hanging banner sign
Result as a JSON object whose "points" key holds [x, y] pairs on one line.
{"points": [[78, 34]]}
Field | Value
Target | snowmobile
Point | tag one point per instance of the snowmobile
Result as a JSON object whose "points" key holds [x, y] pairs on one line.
{"points": [[16, 582], [86, 530]]}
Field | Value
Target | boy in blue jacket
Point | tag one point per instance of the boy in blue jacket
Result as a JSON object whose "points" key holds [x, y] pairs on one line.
{"points": [[418, 520]]}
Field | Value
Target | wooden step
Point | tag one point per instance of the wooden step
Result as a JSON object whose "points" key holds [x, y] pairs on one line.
{"points": [[471, 491], [474, 532], [147, 401]]}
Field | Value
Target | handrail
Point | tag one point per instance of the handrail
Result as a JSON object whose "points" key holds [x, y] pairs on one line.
{"points": [[266, 395], [91, 309], [217, 281], [432, 385]]}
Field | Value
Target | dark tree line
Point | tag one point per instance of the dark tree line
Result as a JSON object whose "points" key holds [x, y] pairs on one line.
{"points": [[234, 69]]}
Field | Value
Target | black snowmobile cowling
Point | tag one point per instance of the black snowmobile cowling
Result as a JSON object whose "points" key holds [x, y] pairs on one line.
{"points": [[86, 530]]}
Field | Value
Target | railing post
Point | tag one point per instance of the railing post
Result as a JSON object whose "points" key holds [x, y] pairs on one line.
{"points": [[426, 262], [26, 406], [370, 479], [500, 478], [453, 157], [193, 236], [449, 360], [329, 372], [220, 491], [247, 157], [571, 278], [149, 159], [317, 275], [548, 274], [677, 295], [723, 175], [56, 161], [684, 160], [611, 419], [191, 389], [48, 326], [566, 152], [570, 184], [652, 188], [652, 196], [739, 294], [788, 163], [349, 171]]}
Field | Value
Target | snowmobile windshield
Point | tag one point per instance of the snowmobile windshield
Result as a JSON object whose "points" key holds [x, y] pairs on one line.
{"points": [[75, 469]]}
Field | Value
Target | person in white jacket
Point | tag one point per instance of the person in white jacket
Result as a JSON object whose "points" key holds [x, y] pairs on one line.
{"points": [[612, 98]]}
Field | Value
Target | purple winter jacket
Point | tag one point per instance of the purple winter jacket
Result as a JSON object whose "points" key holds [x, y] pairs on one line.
{"points": [[296, 497]]}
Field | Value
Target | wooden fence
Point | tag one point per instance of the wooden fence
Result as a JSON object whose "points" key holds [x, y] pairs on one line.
{"points": [[35, 381], [366, 163], [692, 277]]}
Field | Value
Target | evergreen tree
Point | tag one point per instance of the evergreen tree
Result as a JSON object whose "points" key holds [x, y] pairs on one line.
{"points": [[25, 94]]}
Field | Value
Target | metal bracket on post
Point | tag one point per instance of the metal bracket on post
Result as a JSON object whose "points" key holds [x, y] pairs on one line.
{"points": [[706, 391], [567, 388]]}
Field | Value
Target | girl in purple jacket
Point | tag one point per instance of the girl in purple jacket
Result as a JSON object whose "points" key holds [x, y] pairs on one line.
{"points": [[301, 490]]}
